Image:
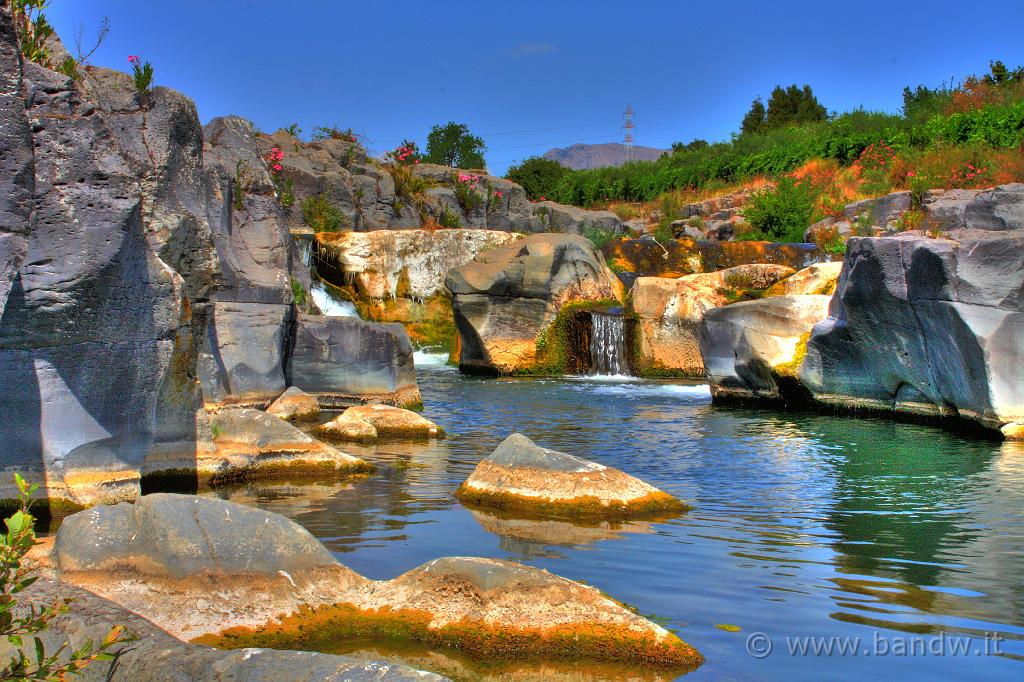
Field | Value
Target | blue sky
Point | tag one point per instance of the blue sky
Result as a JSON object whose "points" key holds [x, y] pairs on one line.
{"points": [[529, 75]]}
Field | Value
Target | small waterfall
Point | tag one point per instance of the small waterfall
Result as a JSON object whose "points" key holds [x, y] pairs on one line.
{"points": [[305, 247], [330, 306], [608, 344]]}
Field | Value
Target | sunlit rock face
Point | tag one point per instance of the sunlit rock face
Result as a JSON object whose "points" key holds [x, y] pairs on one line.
{"points": [[216, 572], [96, 355], [927, 327], [753, 349], [669, 313], [507, 299], [379, 422], [520, 476]]}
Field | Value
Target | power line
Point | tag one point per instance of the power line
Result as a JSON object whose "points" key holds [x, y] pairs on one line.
{"points": [[544, 130]]}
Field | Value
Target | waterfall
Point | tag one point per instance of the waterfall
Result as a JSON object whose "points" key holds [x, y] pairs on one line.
{"points": [[607, 344], [329, 305], [305, 247]]}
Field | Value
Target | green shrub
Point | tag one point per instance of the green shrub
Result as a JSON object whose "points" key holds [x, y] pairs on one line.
{"points": [[537, 175], [597, 235], [448, 219], [782, 213], [320, 214]]}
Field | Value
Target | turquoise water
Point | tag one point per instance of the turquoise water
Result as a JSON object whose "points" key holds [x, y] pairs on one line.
{"points": [[803, 525]]}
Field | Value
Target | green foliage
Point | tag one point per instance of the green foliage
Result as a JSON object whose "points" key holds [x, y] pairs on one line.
{"points": [[453, 145], [537, 175], [16, 577], [240, 185], [782, 213], [33, 29], [786, 106], [466, 192], [294, 130], [299, 294], [998, 126], [320, 214], [333, 133], [69, 67], [448, 219], [142, 75], [755, 120], [597, 235]]}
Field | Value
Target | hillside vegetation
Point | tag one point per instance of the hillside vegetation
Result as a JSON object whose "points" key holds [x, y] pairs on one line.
{"points": [[969, 135]]}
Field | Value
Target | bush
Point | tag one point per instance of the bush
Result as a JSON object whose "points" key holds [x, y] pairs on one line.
{"points": [[597, 235], [537, 175], [320, 214], [782, 213]]}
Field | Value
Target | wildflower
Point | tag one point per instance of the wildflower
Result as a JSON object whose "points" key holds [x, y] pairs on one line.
{"points": [[543, 199]]}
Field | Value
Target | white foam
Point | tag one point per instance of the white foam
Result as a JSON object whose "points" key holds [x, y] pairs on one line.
{"points": [[426, 358], [329, 306], [650, 389]]}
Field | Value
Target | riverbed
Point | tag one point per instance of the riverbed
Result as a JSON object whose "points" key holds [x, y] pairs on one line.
{"points": [[804, 526]]}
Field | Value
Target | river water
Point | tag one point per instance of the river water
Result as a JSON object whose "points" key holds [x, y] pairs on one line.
{"points": [[803, 526]]}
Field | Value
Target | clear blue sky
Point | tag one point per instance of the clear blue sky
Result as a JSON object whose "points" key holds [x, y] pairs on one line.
{"points": [[529, 75]]}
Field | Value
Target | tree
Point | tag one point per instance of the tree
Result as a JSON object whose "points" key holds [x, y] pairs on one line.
{"points": [[756, 120], [453, 145], [537, 175], [690, 146]]}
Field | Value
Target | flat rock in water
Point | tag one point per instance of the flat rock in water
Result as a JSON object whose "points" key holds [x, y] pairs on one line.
{"points": [[521, 476], [295, 405]]}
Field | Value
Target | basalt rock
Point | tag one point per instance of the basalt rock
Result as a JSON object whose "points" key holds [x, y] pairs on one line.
{"points": [[508, 299], [378, 422], [219, 573], [669, 313], [819, 278], [928, 327], [520, 476], [153, 655], [345, 361], [96, 356], [572, 220], [752, 350], [295, 405]]}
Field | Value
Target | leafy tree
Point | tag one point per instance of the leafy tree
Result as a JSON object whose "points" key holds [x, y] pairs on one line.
{"points": [[792, 105], [538, 176], [756, 120], [453, 145], [689, 146]]}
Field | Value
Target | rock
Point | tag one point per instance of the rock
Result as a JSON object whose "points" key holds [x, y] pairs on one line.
{"points": [[819, 278], [528, 535], [881, 211], [384, 421], [295, 405], [507, 299], [241, 355], [398, 275], [927, 327], [155, 656], [669, 312], [222, 574], [344, 360], [520, 476], [248, 444], [752, 350], [828, 229], [999, 208], [96, 357], [573, 220], [647, 257]]}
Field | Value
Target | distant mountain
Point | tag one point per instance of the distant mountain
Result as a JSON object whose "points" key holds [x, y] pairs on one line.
{"points": [[582, 156]]}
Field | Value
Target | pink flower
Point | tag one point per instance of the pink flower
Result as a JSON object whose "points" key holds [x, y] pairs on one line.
{"points": [[911, 174], [277, 167], [417, 161], [543, 199]]}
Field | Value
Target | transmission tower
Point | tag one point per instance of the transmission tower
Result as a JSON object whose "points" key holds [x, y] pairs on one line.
{"points": [[627, 128]]}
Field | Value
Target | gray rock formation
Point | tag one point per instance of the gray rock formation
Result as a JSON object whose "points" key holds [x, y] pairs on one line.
{"points": [[998, 208], [155, 656], [752, 349], [344, 360], [927, 327], [572, 220], [96, 354], [506, 298]]}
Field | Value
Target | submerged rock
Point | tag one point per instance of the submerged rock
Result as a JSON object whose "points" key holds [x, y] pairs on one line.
{"points": [[344, 360], [925, 326], [378, 422], [219, 573], [153, 655], [752, 350], [295, 405], [669, 312], [506, 301], [521, 476]]}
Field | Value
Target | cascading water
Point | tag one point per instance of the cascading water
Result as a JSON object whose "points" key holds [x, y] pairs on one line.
{"points": [[330, 306], [305, 248], [608, 344]]}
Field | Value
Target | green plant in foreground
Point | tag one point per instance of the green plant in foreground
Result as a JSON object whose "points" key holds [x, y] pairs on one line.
{"points": [[33, 29], [16, 577], [320, 214], [448, 219], [298, 293], [597, 235], [142, 75], [782, 213]]}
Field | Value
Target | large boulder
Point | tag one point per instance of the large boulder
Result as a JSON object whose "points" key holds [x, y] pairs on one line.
{"points": [[220, 573], [507, 300], [520, 476], [398, 275], [574, 220], [926, 327], [752, 350], [998, 208], [344, 361], [669, 312], [96, 357], [295, 405], [153, 655]]}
